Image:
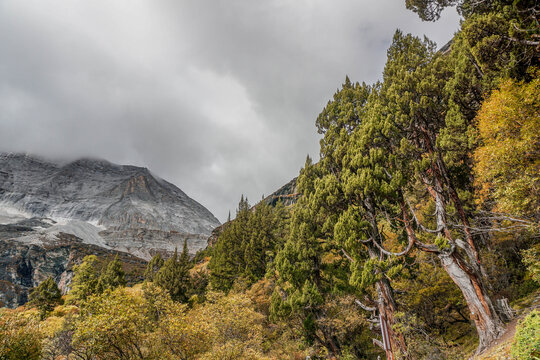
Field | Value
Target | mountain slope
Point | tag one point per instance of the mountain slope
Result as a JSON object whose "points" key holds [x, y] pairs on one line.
{"points": [[119, 207], [25, 264]]}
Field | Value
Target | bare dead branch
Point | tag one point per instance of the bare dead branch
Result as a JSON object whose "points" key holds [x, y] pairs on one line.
{"points": [[439, 228], [363, 306], [378, 343], [390, 253], [347, 255]]}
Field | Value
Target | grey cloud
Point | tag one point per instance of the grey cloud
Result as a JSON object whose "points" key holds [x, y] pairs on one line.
{"points": [[218, 97]]}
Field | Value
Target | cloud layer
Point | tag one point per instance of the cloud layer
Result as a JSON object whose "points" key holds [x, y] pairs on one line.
{"points": [[219, 97]]}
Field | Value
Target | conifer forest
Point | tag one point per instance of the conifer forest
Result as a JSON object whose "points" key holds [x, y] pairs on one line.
{"points": [[415, 236]]}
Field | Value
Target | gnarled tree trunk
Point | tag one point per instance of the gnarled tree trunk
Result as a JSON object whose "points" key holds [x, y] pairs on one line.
{"points": [[386, 305], [467, 276], [489, 325]]}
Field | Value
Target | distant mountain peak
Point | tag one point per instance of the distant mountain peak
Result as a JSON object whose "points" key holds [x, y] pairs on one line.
{"points": [[139, 212]]}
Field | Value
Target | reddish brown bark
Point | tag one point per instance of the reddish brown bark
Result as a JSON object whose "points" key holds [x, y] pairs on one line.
{"points": [[465, 221], [387, 307]]}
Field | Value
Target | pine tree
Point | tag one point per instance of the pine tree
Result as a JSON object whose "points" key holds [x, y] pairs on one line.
{"points": [[85, 279], [174, 275], [112, 277], [46, 296], [265, 231], [153, 267], [228, 263]]}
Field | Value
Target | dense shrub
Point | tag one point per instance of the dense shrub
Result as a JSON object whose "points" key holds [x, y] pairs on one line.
{"points": [[19, 336], [527, 340]]}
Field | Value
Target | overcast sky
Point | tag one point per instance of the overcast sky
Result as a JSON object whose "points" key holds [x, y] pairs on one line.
{"points": [[217, 97]]}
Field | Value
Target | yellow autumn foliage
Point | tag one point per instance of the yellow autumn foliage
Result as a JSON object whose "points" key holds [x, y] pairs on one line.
{"points": [[144, 323], [20, 337], [507, 164]]}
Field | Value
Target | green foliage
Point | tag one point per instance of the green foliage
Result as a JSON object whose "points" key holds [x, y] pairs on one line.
{"points": [[526, 344], [112, 326], [247, 245], [174, 275], [46, 296], [407, 139], [228, 264], [299, 267], [531, 258], [308, 272], [19, 336], [232, 328], [433, 305], [153, 267], [85, 279], [429, 10], [112, 277], [424, 135], [267, 225], [130, 324], [90, 278]]}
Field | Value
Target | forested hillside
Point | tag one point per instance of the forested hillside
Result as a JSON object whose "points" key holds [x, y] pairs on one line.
{"points": [[415, 236]]}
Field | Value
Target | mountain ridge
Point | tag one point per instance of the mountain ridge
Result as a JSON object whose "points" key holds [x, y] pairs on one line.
{"points": [[53, 214], [120, 201]]}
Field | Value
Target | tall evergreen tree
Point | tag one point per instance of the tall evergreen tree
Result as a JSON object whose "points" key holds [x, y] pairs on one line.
{"points": [[350, 217], [174, 275], [228, 262], [85, 279], [400, 153], [266, 224], [153, 267], [301, 288], [112, 277], [46, 296], [502, 36]]}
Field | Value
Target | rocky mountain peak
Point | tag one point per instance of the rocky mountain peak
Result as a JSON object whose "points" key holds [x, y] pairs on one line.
{"points": [[132, 209]]}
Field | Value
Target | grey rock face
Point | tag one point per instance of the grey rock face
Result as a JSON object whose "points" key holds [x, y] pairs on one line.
{"points": [[288, 194], [25, 264], [117, 207]]}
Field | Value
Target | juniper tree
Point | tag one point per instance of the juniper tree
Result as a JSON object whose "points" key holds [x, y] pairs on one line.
{"points": [[301, 288], [396, 152], [349, 215], [502, 36]]}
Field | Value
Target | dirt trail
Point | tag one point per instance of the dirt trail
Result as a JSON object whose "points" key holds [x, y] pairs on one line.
{"points": [[500, 349]]}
